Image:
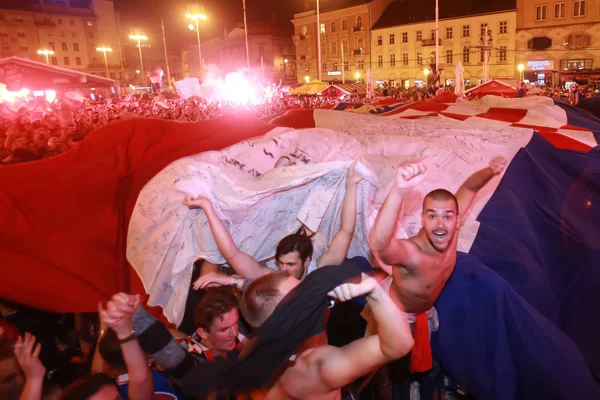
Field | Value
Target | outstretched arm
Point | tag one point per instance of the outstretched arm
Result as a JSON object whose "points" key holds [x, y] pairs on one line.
{"points": [[386, 249], [241, 262], [340, 366], [467, 192], [338, 248]]}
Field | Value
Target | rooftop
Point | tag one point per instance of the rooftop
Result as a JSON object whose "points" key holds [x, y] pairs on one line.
{"points": [[403, 12], [333, 5]]}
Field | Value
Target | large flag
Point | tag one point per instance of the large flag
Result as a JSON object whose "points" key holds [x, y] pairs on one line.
{"points": [[515, 316]]}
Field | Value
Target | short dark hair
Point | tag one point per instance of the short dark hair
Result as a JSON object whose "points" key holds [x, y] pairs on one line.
{"points": [[216, 302], [295, 242], [84, 388], [110, 349], [261, 298], [441, 195]]}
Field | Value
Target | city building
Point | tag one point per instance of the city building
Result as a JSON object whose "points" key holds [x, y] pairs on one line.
{"points": [[558, 42], [272, 54], [72, 29], [403, 41], [345, 27]]}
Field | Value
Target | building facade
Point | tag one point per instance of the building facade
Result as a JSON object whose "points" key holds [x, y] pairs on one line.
{"points": [[405, 52], [72, 32], [271, 50], [345, 30], [558, 42]]}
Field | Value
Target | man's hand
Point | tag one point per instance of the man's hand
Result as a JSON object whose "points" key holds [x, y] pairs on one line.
{"points": [[118, 313], [498, 164], [27, 354], [348, 291], [410, 175], [213, 279], [199, 202], [353, 177]]}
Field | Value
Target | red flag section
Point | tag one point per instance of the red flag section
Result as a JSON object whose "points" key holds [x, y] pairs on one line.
{"points": [[65, 219]]}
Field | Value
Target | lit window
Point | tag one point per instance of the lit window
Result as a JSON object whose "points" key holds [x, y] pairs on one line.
{"points": [[322, 28]]}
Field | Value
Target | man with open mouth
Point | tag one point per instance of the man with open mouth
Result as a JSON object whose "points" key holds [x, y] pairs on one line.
{"points": [[420, 266]]}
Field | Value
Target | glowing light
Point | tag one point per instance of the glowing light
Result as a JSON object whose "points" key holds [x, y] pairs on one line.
{"points": [[307, 79], [357, 75], [191, 27], [38, 93], [285, 60], [50, 95], [238, 90], [137, 71], [10, 97], [138, 37], [103, 49], [45, 52], [520, 67], [195, 12], [426, 71]]}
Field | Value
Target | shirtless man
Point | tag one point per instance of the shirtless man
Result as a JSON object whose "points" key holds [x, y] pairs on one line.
{"points": [[422, 265], [320, 372], [294, 252]]}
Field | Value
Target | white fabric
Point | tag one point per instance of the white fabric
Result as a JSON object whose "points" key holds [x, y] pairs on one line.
{"points": [[260, 204]]}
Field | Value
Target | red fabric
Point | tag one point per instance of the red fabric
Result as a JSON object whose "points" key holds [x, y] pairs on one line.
{"points": [[8, 331], [420, 358], [298, 118], [65, 219]]}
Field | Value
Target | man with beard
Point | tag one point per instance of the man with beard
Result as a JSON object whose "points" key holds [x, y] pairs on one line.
{"points": [[421, 265]]}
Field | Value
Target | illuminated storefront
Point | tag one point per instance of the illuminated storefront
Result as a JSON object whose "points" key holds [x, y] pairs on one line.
{"points": [[540, 72]]}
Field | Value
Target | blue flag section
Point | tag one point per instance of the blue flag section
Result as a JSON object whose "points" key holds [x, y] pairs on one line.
{"points": [[517, 318]]}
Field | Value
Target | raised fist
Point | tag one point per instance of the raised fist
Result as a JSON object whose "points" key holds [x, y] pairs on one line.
{"points": [[410, 175], [498, 164], [199, 202]]}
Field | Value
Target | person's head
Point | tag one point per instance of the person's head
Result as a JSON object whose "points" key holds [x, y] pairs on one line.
{"points": [[294, 254], [523, 85], [12, 379], [93, 387], [440, 218], [264, 294], [217, 318]]}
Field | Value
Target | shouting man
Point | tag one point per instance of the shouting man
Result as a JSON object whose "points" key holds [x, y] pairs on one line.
{"points": [[421, 265]]}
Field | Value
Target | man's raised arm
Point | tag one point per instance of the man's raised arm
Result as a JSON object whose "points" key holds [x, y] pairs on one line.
{"points": [[467, 192], [340, 366], [338, 248], [242, 263], [386, 248]]}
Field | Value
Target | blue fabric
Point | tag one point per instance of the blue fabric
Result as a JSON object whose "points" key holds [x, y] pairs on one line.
{"points": [[585, 115], [518, 316], [162, 389]]}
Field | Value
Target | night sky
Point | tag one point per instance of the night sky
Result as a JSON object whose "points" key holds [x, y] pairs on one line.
{"points": [[221, 14]]}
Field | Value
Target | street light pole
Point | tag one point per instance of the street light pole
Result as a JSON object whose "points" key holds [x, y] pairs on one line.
{"points": [[195, 12], [139, 36], [162, 23], [246, 34], [104, 50], [319, 40], [46, 53]]}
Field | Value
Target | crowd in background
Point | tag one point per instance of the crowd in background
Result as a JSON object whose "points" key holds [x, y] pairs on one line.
{"points": [[38, 129]]}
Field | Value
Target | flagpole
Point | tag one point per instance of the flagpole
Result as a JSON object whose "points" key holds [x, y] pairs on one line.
{"points": [[162, 23], [437, 40], [319, 40], [246, 34]]}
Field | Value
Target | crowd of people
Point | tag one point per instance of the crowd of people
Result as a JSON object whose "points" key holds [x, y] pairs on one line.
{"points": [[251, 332]]}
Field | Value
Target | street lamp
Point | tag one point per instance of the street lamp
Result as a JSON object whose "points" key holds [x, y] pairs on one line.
{"points": [[307, 79], [195, 12], [139, 35], [46, 53], [357, 76], [521, 67], [104, 50], [319, 40]]}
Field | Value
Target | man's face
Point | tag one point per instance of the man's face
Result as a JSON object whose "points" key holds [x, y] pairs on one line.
{"points": [[223, 332], [11, 379], [293, 265], [108, 392], [440, 222]]}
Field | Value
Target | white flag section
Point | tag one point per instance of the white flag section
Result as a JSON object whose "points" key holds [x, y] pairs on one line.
{"points": [[264, 189]]}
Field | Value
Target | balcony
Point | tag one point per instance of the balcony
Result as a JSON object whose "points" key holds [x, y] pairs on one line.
{"points": [[430, 42], [357, 28], [357, 52]]}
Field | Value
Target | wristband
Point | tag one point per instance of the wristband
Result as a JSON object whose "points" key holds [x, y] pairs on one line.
{"points": [[132, 336]]}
